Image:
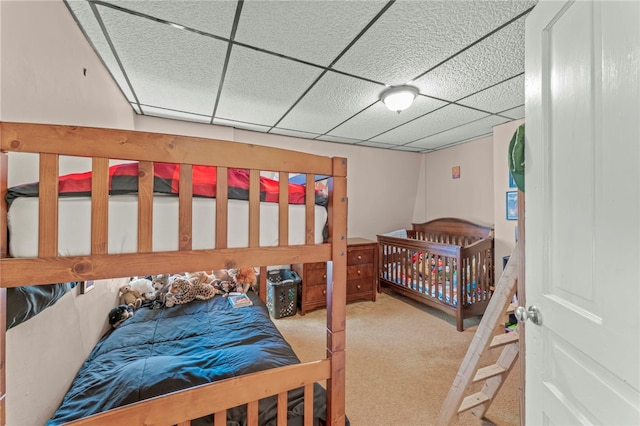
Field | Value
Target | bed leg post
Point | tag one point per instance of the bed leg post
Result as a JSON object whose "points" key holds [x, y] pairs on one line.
{"points": [[4, 252]]}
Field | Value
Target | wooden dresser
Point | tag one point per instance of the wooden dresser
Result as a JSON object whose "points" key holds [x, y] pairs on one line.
{"points": [[361, 263]]}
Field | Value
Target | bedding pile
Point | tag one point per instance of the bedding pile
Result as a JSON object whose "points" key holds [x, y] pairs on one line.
{"points": [[123, 179], [164, 350]]}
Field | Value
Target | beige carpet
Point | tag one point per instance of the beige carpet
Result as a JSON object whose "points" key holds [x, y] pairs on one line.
{"points": [[402, 358]]}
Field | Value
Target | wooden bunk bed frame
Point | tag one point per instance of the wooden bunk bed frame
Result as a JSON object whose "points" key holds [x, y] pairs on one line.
{"points": [[456, 251], [52, 141]]}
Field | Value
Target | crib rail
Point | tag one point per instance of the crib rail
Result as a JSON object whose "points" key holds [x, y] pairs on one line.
{"points": [[452, 272], [213, 399]]}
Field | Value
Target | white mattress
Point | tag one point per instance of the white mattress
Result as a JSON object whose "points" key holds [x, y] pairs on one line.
{"points": [[74, 219]]}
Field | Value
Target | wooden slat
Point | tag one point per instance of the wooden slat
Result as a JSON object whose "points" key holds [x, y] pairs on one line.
{"points": [[17, 272], [283, 209], [308, 408], [222, 207], [252, 413], [211, 398], [4, 252], [488, 371], [310, 201], [145, 207], [155, 147], [185, 213], [220, 418], [504, 339], [254, 208], [48, 206], [100, 206], [473, 401], [282, 409]]}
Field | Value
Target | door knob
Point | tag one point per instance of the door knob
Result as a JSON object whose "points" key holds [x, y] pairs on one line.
{"points": [[523, 314]]}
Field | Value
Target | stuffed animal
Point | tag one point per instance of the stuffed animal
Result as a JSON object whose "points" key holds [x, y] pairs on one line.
{"points": [[184, 291], [161, 285], [119, 314], [143, 286], [130, 297], [244, 278]]}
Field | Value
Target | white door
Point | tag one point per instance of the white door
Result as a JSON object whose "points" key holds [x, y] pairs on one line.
{"points": [[582, 189]]}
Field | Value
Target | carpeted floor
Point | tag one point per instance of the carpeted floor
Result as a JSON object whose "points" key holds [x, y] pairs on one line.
{"points": [[402, 358]]}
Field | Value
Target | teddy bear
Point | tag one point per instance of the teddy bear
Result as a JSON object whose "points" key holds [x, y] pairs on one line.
{"points": [[144, 286], [161, 284], [244, 278], [119, 314], [130, 297]]}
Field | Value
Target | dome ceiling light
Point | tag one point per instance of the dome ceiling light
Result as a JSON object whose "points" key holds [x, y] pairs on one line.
{"points": [[399, 98]]}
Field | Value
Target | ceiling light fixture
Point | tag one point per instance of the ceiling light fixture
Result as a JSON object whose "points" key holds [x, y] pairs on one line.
{"points": [[399, 98]]}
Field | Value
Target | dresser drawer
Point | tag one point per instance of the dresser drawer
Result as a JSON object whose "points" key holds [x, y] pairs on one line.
{"points": [[316, 295], [362, 285], [364, 270], [315, 274], [356, 256]]}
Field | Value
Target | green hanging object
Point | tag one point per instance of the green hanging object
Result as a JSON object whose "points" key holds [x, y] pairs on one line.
{"points": [[516, 157]]}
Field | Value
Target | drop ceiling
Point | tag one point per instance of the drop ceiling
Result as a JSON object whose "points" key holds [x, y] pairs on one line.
{"points": [[315, 69]]}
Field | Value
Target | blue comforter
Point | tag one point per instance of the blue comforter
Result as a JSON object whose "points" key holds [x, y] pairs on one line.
{"points": [[164, 350]]}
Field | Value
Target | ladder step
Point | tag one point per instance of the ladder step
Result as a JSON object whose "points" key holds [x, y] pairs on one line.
{"points": [[489, 371], [472, 401], [504, 339], [512, 308]]}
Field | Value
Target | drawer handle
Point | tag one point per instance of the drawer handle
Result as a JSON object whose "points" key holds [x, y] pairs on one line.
{"points": [[324, 292], [359, 257], [359, 286], [359, 272], [324, 277]]}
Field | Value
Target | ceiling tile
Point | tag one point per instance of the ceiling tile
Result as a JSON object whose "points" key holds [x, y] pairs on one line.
{"points": [[467, 132], [213, 17], [260, 88], [338, 139], [491, 61], [331, 101], [378, 118], [294, 133], [498, 98], [429, 124], [517, 112], [313, 31], [413, 36], [241, 125], [377, 144], [91, 28], [177, 115], [167, 67]]}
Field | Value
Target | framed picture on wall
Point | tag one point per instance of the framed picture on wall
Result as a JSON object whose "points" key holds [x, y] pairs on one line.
{"points": [[86, 286], [512, 205]]}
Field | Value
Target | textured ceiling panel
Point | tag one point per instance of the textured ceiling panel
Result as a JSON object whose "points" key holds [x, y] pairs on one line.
{"points": [[495, 59], [240, 125], [475, 129], [420, 34], [331, 101], [294, 133], [176, 115], [167, 67], [172, 59], [498, 98], [378, 118], [260, 88], [313, 31], [212, 17], [84, 14], [435, 122]]}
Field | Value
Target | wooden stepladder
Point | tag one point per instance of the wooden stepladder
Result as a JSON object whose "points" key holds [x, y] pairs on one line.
{"points": [[484, 340]]}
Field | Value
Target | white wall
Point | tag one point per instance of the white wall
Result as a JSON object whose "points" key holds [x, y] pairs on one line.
{"points": [[43, 57], [470, 197]]}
